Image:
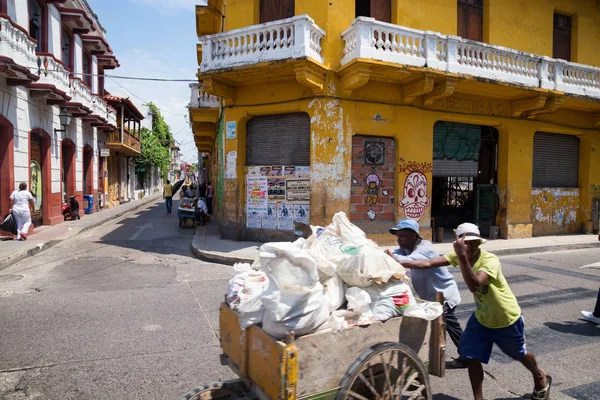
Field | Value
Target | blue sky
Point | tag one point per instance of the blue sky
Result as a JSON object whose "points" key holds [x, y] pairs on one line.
{"points": [[155, 39]]}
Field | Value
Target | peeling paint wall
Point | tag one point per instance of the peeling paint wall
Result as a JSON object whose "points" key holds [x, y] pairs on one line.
{"points": [[554, 211]]}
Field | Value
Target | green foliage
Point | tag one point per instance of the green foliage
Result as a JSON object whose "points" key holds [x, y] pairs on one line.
{"points": [[155, 143]]}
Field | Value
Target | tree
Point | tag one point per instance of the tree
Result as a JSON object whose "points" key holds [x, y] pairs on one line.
{"points": [[155, 144]]}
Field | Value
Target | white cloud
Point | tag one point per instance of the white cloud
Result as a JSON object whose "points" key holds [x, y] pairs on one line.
{"points": [[171, 97], [170, 6]]}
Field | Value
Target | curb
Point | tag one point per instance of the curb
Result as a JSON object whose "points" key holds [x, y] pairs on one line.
{"points": [[226, 260], [26, 253]]}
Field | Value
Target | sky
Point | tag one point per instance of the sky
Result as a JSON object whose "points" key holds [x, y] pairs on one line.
{"points": [[154, 39]]}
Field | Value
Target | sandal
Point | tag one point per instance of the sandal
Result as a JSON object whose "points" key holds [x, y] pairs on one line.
{"points": [[543, 394]]}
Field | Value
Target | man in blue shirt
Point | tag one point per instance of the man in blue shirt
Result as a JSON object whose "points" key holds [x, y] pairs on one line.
{"points": [[428, 282]]}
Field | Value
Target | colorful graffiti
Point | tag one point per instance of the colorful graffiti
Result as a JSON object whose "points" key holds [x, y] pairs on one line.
{"points": [[415, 188], [372, 188]]}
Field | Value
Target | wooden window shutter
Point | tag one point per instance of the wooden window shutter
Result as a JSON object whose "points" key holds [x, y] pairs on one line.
{"points": [[470, 19], [381, 10], [561, 41], [273, 10]]}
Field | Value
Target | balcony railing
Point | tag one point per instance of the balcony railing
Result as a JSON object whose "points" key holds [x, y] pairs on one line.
{"points": [[81, 93], [115, 137], [370, 39], [16, 44], [295, 37], [200, 99], [55, 74]]}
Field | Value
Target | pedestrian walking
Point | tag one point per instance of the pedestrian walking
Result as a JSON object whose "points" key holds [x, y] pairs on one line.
{"points": [[209, 197], [21, 206], [168, 196], [429, 282], [593, 316], [497, 318]]}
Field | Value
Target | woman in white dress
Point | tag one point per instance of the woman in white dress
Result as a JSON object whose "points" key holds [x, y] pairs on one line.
{"points": [[21, 206]]}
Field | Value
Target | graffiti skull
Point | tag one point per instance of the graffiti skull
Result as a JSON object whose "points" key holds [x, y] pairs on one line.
{"points": [[415, 196]]}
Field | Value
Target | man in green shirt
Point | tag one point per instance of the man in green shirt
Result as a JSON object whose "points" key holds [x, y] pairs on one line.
{"points": [[497, 317]]}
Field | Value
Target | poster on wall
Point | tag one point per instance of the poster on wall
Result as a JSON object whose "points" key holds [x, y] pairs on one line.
{"points": [[253, 171], [302, 172], [265, 171], [297, 189], [269, 221], [302, 213], [256, 195], [285, 221], [231, 165], [277, 170], [276, 189], [230, 129], [289, 170], [253, 220]]}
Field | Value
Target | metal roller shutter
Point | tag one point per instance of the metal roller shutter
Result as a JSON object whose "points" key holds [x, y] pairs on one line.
{"points": [[555, 160], [456, 149], [278, 140]]}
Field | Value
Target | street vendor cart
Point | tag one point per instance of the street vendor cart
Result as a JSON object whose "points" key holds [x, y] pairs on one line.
{"points": [[186, 212], [384, 360]]}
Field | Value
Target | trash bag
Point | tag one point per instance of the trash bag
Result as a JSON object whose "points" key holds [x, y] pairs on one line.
{"points": [[365, 265], [295, 298], [334, 292], [390, 300], [244, 293], [9, 224]]}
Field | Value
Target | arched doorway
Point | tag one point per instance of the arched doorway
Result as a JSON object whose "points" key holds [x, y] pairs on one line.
{"points": [[40, 176], [7, 170], [68, 168]]}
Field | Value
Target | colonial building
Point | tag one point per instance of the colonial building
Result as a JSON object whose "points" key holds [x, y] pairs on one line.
{"points": [[53, 119], [441, 111]]}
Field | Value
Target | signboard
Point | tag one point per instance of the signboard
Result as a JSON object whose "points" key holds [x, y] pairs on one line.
{"points": [[104, 152], [297, 189], [230, 130]]}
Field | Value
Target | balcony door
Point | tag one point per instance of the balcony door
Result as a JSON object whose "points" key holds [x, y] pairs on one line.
{"points": [[381, 10], [273, 10], [470, 19], [561, 46]]}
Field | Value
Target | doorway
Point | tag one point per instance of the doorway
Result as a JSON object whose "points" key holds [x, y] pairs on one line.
{"points": [[7, 154], [36, 178], [464, 176], [68, 168], [88, 177]]}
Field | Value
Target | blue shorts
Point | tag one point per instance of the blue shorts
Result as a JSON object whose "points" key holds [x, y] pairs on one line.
{"points": [[476, 342]]}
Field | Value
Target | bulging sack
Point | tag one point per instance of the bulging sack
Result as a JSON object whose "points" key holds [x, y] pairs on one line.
{"points": [[244, 294], [9, 224], [361, 266], [390, 300]]}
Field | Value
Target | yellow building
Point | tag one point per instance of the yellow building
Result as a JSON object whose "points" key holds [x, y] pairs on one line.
{"points": [[442, 111]]}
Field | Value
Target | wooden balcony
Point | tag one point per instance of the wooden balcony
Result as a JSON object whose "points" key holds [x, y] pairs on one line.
{"points": [[124, 142]]}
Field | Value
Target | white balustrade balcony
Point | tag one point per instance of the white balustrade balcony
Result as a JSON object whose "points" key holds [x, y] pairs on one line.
{"points": [[370, 39], [55, 74], [16, 45], [290, 38], [81, 93], [200, 99]]}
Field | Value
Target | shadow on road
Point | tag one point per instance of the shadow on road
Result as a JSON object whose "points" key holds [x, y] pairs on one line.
{"points": [[576, 328], [152, 230]]}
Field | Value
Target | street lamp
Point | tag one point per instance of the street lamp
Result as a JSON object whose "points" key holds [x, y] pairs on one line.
{"points": [[65, 120]]}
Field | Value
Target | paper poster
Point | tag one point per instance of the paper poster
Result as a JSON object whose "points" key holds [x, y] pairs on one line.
{"points": [[302, 172], [253, 171], [265, 171], [269, 221], [253, 220], [302, 213], [230, 130], [289, 170], [277, 170], [231, 163], [285, 221], [297, 189], [276, 189], [256, 195]]}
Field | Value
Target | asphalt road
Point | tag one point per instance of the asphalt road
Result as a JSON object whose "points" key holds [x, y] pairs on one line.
{"points": [[126, 311]]}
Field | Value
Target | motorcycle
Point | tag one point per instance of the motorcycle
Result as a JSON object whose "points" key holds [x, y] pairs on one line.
{"points": [[70, 210]]}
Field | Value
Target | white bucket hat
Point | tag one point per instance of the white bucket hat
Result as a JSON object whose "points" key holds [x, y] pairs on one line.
{"points": [[469, 231]]}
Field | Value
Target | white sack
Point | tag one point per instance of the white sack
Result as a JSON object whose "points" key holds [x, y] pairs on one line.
{"points": [[295, 299], [428, 310], [334, 292], [325, 247], [358, 299], [390, 300], [244, 293], [347, 231], [363, 265]]}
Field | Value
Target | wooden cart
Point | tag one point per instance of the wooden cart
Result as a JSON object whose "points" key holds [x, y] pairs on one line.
{"points": [[385, 360]]}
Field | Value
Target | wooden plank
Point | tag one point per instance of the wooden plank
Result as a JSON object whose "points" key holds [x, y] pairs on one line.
{"points": [[266, 362], [437, 351], [323, 358]]}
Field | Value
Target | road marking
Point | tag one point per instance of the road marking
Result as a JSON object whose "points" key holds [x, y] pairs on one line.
{"points": [[593, 265], [140, 230]]}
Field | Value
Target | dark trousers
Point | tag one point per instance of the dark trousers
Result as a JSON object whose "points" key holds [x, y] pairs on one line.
{"points": [[597, 308], [452, 325], [169, 203], [209, 205]]}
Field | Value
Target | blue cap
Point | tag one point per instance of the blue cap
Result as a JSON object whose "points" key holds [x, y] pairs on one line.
{"points": [[406, 224]]}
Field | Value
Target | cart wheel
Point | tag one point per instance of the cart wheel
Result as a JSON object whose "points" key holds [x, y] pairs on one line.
{"points": [[229, 390], [386, 371]]}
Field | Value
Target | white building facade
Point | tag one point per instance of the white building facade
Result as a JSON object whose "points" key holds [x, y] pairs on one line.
{"points": [[53, 118]]}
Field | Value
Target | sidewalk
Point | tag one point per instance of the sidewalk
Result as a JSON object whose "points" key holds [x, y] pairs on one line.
{"points": [[208, 246], [44, 237]]}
